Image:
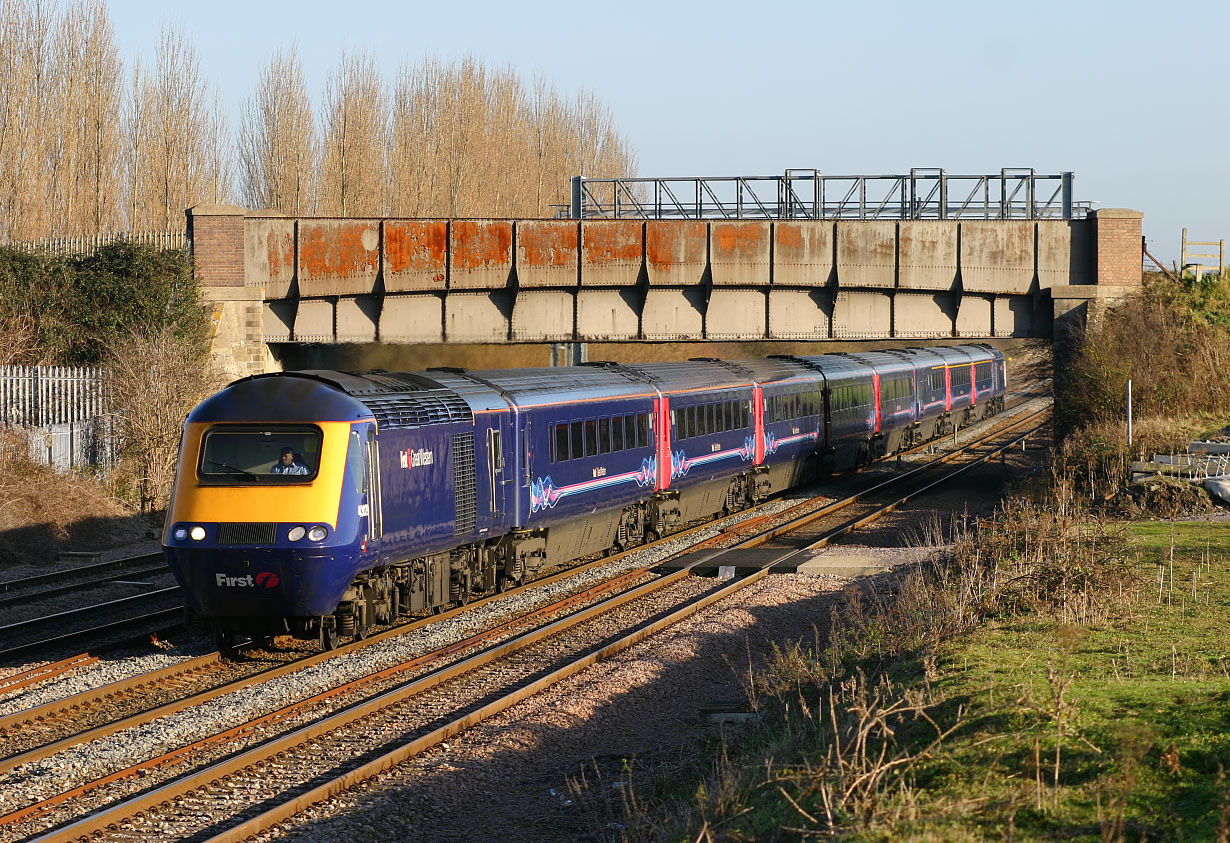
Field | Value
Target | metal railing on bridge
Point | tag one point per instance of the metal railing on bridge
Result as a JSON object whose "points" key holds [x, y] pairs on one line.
{"points": [[922, 194]]}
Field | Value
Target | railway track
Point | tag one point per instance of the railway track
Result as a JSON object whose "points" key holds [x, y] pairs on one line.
{"points": [[387, 698], [57, 583]]}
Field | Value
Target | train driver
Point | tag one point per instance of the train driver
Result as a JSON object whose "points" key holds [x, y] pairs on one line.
{"points": [[288, 464]]}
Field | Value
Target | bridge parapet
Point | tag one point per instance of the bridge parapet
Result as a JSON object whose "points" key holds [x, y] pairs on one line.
{"points": [[499, 281]]}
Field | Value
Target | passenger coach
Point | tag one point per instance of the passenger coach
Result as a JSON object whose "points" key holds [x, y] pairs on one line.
{"points": [[411, 491]]}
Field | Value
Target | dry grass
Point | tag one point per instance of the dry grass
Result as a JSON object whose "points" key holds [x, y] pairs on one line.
{"points": [[43, 512]]}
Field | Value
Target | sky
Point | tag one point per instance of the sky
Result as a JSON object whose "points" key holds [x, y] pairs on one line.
{"points": [[1130, 96]]}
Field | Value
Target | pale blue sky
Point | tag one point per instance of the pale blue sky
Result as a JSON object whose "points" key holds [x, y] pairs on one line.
{"points": [[1131, 96]]}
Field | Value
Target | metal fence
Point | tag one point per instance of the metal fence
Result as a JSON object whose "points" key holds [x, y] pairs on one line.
{"points": [[34, 396], [87, 244], [923, 193], [58, 416]]}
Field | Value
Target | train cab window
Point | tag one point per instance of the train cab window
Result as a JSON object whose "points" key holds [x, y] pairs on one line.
{"points": [[234, 454], [642, 430], [604, 436], [560, 442], [617, 433]]}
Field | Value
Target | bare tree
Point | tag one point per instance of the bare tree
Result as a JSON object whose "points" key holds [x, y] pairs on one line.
{"points": [[87, 99], [277, 139], [175, 144], [156, 379], [353, 139], [466, 140]]}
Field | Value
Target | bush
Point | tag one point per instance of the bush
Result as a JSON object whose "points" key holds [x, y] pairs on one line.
{"points": [[81, 306], [1172, 340]]}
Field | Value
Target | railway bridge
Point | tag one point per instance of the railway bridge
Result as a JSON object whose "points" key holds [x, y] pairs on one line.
{"points": [[793, 258]]}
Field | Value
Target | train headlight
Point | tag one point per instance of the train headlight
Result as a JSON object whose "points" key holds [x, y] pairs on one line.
{"points": [[317, 534], [197, 533], [296, 533], [180, 533]]}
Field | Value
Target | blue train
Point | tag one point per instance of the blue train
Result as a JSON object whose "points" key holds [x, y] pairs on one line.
{"points": [[320, 503]]}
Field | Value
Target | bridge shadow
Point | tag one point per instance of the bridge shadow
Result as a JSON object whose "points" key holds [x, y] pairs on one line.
{"points": [[31, 549], [508, 779]]}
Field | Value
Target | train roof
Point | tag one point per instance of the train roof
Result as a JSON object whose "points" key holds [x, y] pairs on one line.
{"points": [[561, 384], [286, 397]]}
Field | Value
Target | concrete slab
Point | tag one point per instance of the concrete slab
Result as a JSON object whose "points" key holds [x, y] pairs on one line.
{"points": [[548, 253], [803, 254], [415, 255], [676, 251], [612, 252], [739, 253], [736, 315], [839, 563], [338, 257], [269, 255]]}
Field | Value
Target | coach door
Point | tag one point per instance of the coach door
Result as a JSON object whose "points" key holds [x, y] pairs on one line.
{"points": [[371, 465], [495, 474]]}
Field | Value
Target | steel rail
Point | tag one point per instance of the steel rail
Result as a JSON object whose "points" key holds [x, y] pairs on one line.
{"points": [[31, 596], [95, 568], [331, 788], [34, 675], [110, 816], [91, 635]]}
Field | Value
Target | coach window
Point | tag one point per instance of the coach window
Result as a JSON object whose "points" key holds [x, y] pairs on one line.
{"points": [[591, 437], [604, 435], [561, 442], [642, 430], [578, 441], [617, 433], [691, 423]]}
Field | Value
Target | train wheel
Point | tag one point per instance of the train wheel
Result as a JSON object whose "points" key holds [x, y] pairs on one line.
{"points": [[328, 637], [225, 642], [502, 584]]}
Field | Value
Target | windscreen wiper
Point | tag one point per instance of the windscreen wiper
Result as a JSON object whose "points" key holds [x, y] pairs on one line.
{"points": [[234, 469]]}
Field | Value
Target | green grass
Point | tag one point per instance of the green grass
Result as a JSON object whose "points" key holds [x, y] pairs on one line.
{"points": [[1135, 696], [1146, 718]]}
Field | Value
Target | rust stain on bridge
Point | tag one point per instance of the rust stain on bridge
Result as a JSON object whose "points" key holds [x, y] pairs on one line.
{"points": [[415, 254], [548, 243], [337, 249], [479, 244]]}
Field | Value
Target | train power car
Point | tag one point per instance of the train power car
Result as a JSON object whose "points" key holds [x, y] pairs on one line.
{"points": [[321, 503]]}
